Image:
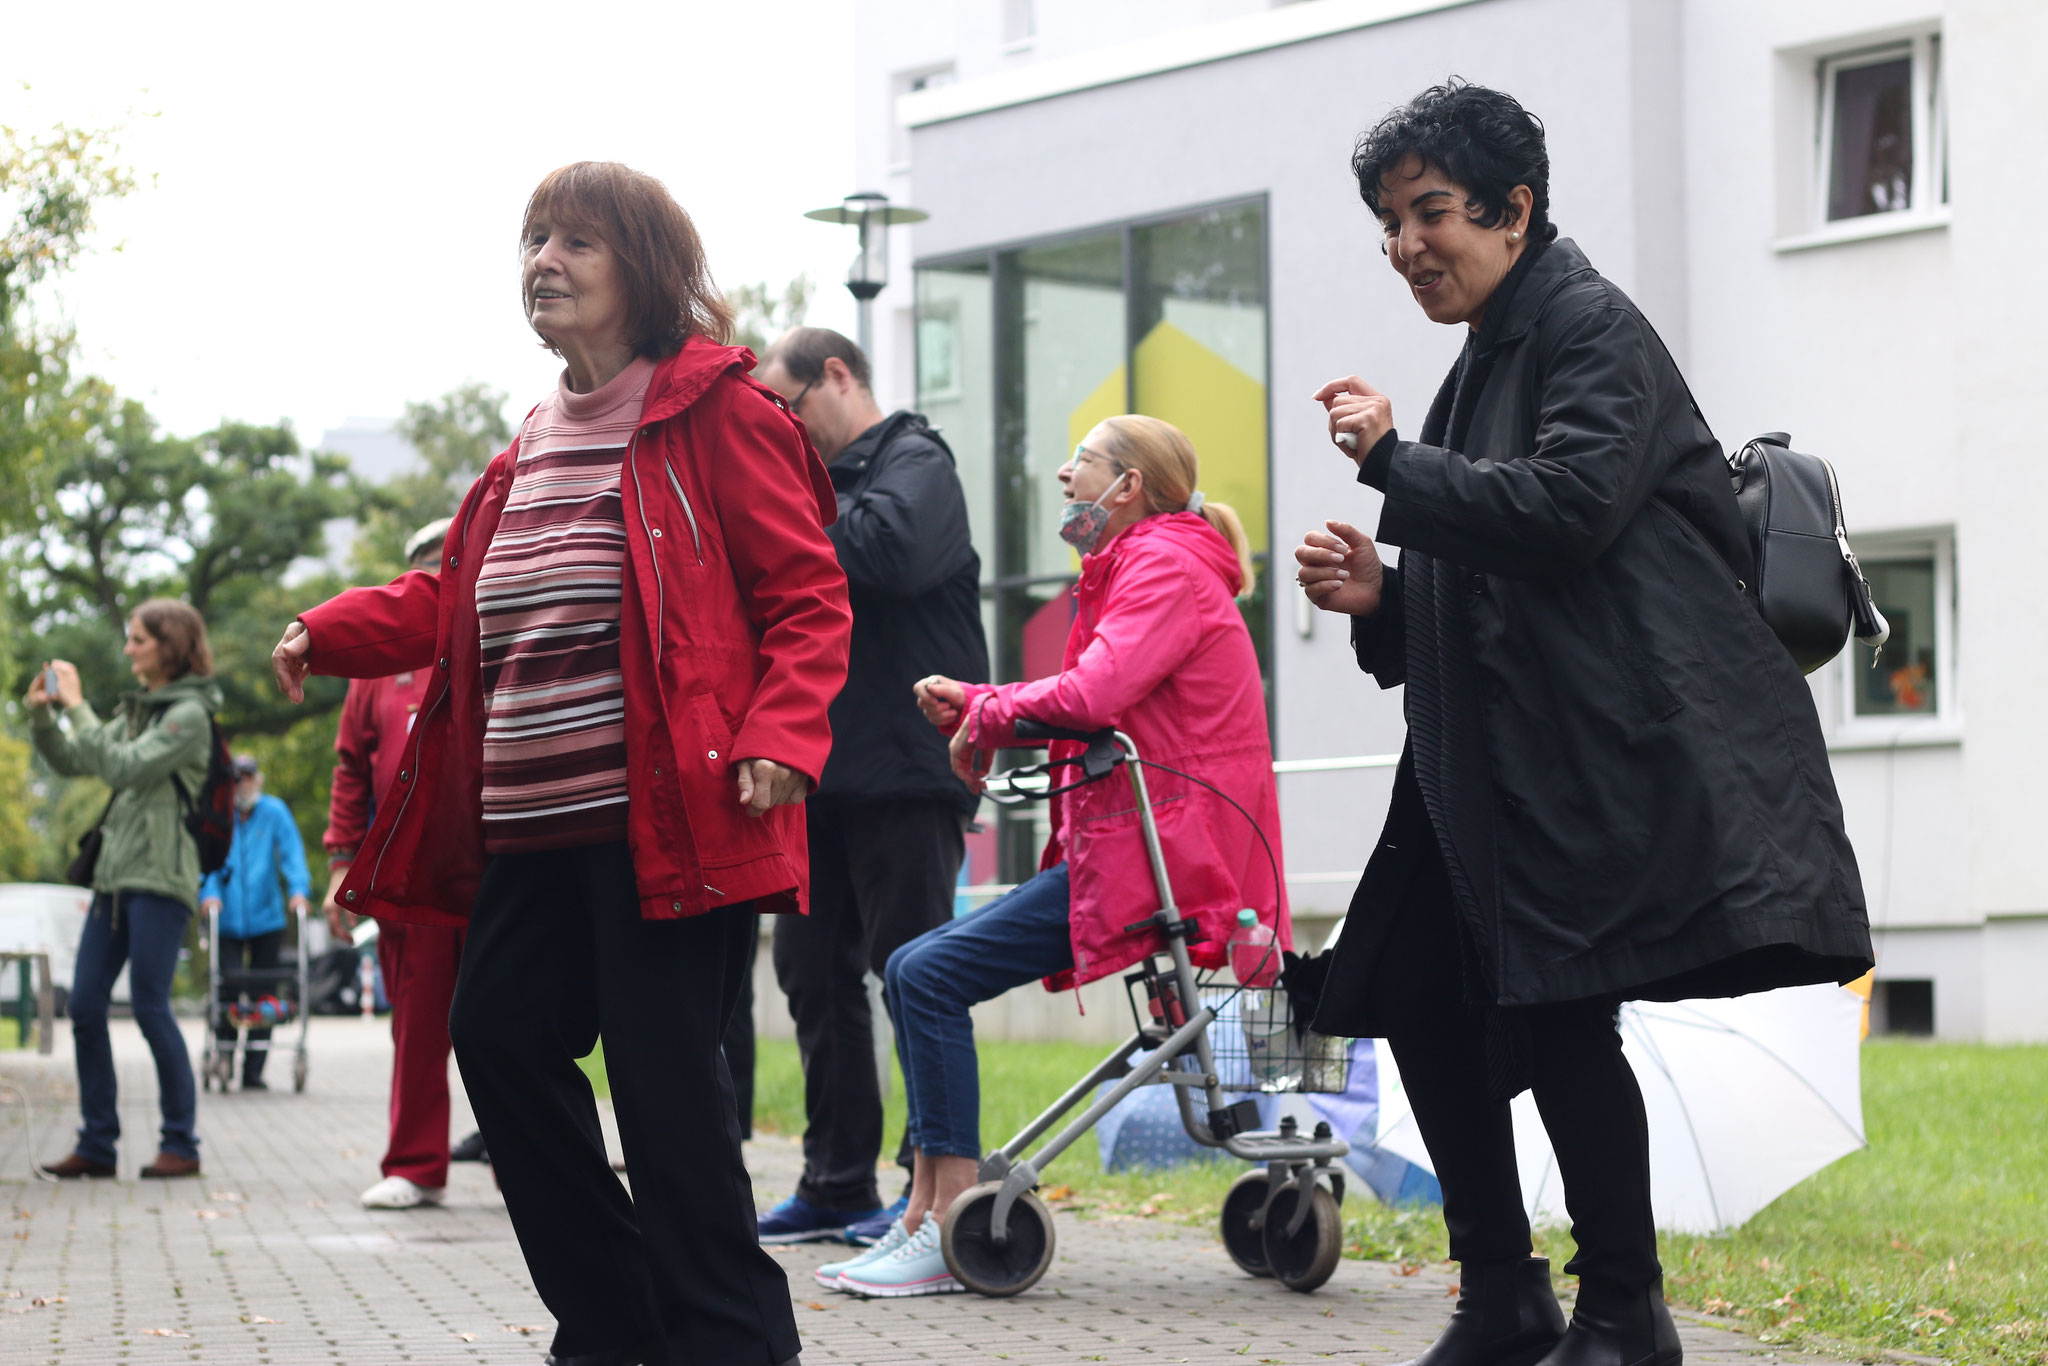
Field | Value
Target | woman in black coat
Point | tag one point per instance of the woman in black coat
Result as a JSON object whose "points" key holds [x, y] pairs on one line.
{"points": [[1615, 785]]}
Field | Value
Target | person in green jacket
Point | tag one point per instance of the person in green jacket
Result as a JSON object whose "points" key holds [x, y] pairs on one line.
{"points": [[147, 876]]}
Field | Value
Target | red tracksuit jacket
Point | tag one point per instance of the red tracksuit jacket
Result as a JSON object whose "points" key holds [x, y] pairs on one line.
{"points": [[733, 641]]}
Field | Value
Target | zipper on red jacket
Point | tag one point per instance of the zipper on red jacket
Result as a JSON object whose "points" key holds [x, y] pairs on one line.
{"points": [[653, 550], [688, 511]]}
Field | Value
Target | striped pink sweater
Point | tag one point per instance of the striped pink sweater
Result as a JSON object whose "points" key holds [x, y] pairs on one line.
{"points": [[548, 606]]}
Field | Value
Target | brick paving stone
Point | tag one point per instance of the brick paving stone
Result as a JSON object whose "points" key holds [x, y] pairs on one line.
{"points": [[268, 1258]]}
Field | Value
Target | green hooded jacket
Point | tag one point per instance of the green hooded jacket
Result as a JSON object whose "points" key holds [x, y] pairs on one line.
{"points": [[155, 734]]}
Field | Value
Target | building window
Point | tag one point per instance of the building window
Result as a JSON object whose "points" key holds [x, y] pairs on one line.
{"points": [[1913, 676], [1022, 350], [1882, 141], [1020, 22]]}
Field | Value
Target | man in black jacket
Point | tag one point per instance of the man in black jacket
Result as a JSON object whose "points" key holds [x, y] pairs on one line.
{"points": [[887, 820]]}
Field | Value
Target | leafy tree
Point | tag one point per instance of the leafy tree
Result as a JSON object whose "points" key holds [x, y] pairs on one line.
{"points": [[759, 317], [49, 185], [456, 435]]}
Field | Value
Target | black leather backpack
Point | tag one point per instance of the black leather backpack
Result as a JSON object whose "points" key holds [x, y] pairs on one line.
{"points": [[1809, 588]]}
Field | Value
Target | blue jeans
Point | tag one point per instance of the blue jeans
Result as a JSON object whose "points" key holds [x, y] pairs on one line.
{"points": [[145, 934], [933, 981]]}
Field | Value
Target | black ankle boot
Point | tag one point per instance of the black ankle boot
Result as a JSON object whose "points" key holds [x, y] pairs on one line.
{"points": [[1613, 1327], [1506, 1316]]}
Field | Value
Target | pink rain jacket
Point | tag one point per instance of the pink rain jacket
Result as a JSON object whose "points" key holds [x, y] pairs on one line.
{"points": [[1160, 651]]}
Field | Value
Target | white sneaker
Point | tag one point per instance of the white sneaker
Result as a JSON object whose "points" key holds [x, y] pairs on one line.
{"points": [[828, 1274], [395, 1192], [917, 1267]]}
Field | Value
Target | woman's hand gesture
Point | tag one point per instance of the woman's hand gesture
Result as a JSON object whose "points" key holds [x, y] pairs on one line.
{"points": [[969, 762], [288, 662], [70, 692], [1358, 411], [940, 699], [1340, 570]]}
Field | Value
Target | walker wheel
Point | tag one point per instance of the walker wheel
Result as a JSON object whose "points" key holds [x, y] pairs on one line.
{"points": [[1242, 1235], [1304, 1259], [973, 1254], [299, 1073]]}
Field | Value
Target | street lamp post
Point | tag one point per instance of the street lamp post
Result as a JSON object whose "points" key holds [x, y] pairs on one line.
{"points": [[872, 215]]}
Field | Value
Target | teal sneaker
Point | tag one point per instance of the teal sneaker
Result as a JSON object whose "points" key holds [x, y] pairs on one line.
{"points": [[915, 1268], [828, 1275]]}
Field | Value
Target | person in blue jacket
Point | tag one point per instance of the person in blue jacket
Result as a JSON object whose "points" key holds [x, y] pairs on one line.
{"points": [[265, 876]]}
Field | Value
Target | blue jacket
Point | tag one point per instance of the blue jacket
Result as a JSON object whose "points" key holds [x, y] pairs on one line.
{"points": [[266, 851]]}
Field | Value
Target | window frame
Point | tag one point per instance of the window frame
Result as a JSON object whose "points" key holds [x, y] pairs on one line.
{"points": [[1927, 195], [1945, 722]]}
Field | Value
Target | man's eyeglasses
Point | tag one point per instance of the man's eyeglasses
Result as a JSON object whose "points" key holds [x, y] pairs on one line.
{"points": [[798, 401]]}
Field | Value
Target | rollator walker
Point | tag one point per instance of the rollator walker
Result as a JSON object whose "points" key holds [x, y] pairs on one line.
{"points": [[1282, 1221], [245, 990]]}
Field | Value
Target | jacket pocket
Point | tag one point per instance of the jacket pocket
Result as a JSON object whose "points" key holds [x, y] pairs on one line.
{"points": [[725, 834]]}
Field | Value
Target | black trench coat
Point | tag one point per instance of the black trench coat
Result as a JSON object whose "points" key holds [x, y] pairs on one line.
{"points": [[1621, 766]]}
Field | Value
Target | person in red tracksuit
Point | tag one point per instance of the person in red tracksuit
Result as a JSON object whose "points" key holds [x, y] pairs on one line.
{"points": [[419, 961]]}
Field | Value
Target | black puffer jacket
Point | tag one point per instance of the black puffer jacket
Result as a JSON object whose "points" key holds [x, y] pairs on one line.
{"points": [[1622, 767], [915, 585]]}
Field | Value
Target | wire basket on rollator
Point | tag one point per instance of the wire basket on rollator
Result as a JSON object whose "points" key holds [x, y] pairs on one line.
{"points": [[1257, 1041]]}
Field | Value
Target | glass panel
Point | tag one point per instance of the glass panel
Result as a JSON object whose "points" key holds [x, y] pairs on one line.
{"points": [[1871, 145], [953, 392], [1198, 311], [1903, 682]]}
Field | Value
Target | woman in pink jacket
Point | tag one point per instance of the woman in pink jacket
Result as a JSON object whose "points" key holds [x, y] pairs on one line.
{"points": [[1159, 650]]}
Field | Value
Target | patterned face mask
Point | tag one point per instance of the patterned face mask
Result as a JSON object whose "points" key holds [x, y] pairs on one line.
{"points": [[1082, 524]]}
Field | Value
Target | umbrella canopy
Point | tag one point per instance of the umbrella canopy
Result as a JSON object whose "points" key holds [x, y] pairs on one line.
{"points": [[1746, 1098]]}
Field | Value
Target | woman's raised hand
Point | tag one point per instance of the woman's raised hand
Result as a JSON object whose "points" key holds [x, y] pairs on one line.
{"points": [[1356, 410], [940, 699], [70, 692], [288, 662], [1340, 570]]}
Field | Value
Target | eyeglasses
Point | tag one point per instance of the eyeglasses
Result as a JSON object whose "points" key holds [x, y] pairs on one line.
{"points": [[798, 401], [1081, 453]]}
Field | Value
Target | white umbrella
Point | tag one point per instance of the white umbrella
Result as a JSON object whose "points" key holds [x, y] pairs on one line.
{"points": [[1746, 1098]]}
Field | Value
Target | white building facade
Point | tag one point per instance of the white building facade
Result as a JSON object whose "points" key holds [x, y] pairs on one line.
{"points": [[1827, 207]]}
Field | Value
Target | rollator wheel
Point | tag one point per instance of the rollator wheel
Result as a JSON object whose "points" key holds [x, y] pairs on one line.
{"points": [[978, 1261], [299, 1073], [1242, 1237], [1304, 1259]]}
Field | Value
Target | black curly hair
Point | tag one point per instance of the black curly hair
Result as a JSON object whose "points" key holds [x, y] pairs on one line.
{"points": [[1482, 139]]}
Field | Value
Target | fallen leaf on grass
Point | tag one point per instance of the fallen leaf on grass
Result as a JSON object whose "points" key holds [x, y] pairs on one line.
{"points": [[1716, 1305], [1928, 1311], [164, 1333], [1060, 1193], [1763, 1263]]}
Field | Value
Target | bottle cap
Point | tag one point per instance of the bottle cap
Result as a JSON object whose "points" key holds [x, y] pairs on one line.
{"points": [[1247, 916]]}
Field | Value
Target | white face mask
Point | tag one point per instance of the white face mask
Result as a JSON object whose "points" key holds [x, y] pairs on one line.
{"points": [[245, 801]]}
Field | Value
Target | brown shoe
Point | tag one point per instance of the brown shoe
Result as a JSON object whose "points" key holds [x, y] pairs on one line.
{"points": [[75, 1166], [169, 1165]]}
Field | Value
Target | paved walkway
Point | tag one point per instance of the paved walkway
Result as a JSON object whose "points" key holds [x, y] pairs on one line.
{"points": [[268, 1257]]}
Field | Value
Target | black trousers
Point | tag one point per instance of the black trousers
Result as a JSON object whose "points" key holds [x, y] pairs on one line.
{"points": [[739, 1036], [256, 951], [882, 873], [1591, 1105], [557, 956]]}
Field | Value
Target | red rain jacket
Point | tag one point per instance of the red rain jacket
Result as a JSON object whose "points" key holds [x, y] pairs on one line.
{"points": [[370, 742], [733, 642]]}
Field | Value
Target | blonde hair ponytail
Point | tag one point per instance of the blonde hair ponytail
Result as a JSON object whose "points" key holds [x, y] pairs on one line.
{"points": [[1162, 453]]}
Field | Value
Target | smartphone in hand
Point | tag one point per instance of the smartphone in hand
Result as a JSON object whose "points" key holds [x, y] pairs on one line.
{"points": [[50, 682]]}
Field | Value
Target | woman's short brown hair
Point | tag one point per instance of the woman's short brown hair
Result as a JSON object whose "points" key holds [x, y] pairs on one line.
{"points": [[669, 293], [180, 635]]}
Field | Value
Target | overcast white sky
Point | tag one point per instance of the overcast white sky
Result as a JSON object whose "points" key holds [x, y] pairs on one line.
{"points": [[331, 194]]}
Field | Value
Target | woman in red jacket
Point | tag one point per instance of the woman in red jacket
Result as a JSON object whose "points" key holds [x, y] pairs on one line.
{"points": [[636, 632]]}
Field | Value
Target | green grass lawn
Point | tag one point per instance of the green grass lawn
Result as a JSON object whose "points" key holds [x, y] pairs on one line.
{"points": [[1934, 1240]]}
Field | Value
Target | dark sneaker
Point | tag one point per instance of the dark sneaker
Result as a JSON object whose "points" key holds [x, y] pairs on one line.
{"points": [[255, 1084], [471, 1149], [74, 1166], [797, 1220], [868, 1232]]}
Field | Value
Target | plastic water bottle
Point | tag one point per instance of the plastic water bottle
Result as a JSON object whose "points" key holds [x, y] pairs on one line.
{"points": [[1254, 956]]}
